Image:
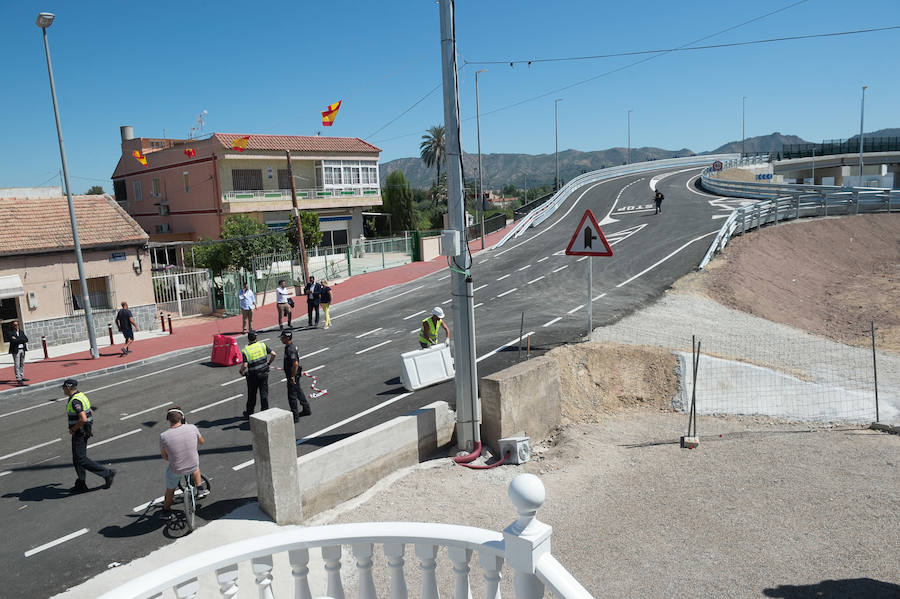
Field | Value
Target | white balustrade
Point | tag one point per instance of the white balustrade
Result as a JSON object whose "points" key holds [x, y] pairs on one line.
{"points": [[394, 553], [299, 559], [427, 555], [332, 557]]}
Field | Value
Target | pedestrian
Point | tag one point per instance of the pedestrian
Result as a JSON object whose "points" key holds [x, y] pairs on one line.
{"points": [[81, 424], [326, 303], [248, 305], [18, 345], [429, 334], [126, 325], [313, 293], [293, 372], [257, 358], [658, 197], [283, 303], [179, 446]]}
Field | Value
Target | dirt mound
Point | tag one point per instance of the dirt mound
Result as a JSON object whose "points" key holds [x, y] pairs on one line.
{"points": [[603, 378], [829, 276]]}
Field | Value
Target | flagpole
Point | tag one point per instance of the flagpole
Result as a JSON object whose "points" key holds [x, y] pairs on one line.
{"points": [[298, 219]]}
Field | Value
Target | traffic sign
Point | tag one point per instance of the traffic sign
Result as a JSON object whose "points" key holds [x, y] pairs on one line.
{"points": [[588, 239], [717, 165]]}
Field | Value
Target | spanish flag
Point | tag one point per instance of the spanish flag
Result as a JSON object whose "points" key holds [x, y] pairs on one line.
{"points": [[331, 113], [240, 144], [140, 157], [190, 152]]}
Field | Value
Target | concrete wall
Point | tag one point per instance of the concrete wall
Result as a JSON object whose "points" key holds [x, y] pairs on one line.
{"points": [[349, 467], [521, 399], [430, 247]]}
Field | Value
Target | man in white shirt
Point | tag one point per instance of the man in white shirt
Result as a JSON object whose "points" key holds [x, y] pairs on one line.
{"points": [[282, 299], [248, 304]]}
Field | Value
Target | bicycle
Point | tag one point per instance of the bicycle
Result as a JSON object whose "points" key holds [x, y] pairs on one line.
{"points": [[189, 495]]}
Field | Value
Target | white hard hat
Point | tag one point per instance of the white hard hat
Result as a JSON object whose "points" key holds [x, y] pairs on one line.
{"points": [[438, 312]]}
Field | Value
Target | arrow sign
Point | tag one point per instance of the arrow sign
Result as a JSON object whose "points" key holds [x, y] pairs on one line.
{"points": [[588, 239]]}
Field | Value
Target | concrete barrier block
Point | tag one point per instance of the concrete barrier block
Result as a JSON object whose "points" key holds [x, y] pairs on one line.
{"points": [[275, 455], [520, 400]]}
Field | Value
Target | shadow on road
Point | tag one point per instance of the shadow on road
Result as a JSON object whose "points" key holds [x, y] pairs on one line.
{"points": [[851, 588], [324, 440], [41, 493], [140, 524]]}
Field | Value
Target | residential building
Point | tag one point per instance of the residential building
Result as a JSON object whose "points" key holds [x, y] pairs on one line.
{"points": [[39, 282], [184, 189]]}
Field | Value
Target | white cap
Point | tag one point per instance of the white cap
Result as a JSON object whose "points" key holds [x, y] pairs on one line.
{"points": [[438, 312]]}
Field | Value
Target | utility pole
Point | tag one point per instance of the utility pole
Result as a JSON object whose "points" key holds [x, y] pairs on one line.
{"points": [[303, 265], [862, 116], [468, 412], [480, 175]]}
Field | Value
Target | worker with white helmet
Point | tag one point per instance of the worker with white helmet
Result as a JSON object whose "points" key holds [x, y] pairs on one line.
{"points": [[428, 336]]}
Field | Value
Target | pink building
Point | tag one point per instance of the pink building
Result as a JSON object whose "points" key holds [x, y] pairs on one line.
{"points": [[184, 189]]}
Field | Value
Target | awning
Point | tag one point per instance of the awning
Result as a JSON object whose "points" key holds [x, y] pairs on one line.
{"points": [[11, 286]]}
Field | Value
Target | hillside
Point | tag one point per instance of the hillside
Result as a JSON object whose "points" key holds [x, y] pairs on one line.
{"points": [[761, 143]]}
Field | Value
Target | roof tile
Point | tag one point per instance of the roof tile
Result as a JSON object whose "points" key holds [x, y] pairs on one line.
{"points": [[299, 143]]}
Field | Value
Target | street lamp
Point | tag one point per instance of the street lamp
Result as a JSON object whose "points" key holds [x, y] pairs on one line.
{"points": [[862, 114], [44, 20], [480, 175], [556, 120], [743, 123], [628, 148]]}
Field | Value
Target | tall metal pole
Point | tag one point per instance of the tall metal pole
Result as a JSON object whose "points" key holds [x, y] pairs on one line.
{"points": [[480, 176], [468, 414], [85, 298], [743, 123], [299, 220], [628, 148], [556, 128], [590, 301], [862, 116]]}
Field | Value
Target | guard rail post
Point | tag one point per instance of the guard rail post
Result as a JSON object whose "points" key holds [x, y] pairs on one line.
{"points": [[109, 326]]}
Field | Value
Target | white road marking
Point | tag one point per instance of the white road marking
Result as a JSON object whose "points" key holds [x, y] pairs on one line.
{"points": [[689, 187], [444, 277], [479, 287], [504, 346], [535, 280], [221, 401], [162, 405], [649, 268], [608, 218], [414, 315], [594, 299], [415, 330], [368, 332], [40, 405], [317, 368], [503, 277], [5, 472], [283, 380], [715, 216], [544, 258], [160, 499], [555, 320], [524, 267], [116, 438], [575, 309], [508, 292], [447, 301], [362, 351], [560, 268], [626, 212], [27, 449], [95, 389], [559, 253], [233, 382], [58, 541], [478, 304], [387, 299], [312, 353], [582, 258]]}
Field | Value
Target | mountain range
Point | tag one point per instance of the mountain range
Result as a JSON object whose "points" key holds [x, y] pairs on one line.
{"points": [[540, 169]]}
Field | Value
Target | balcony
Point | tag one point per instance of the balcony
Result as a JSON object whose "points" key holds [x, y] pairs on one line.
{"points": [[302, 194]]}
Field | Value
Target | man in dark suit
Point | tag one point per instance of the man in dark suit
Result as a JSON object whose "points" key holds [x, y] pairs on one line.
{"points": [[313, 292], [18, 345]]}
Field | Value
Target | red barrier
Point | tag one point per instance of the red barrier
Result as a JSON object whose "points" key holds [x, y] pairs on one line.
{"points": [[170, 325], [162, 321], [44, 343], [111, 342]]}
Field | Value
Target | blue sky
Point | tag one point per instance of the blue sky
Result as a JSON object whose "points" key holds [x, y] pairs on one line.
{"points": [[272, 67]]}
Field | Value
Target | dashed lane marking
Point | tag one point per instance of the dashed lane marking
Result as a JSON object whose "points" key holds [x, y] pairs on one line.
{"points": [[560, 268], [58, 541], [315, 369], [215, 403], [116, 438], [479, 287], [27, 449], [503, 277], [362, 351], [504, 346], [582, 258], [535, 280], [651, 267], [318, 351], [446, 301], [594, 299], [508, 292], [478, 304], [368, 332], [414, 315], [524, 267], [544, 258], [575, 309], [162, 405], [444, 277], [555, 320], [387, 299]]}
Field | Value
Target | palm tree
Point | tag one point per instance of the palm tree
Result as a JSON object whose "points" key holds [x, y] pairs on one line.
{"points": [[433, 150]]}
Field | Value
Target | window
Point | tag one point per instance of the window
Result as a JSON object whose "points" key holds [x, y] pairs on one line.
{"points": [[137, 190], [163, 209], [157, 144], [163, 228], [332, 171], [333, 238], [98, 291], [154, 188], [119, 191], [348, 173], [245, 179], [187, 181], [370, 174], [284, 179]]}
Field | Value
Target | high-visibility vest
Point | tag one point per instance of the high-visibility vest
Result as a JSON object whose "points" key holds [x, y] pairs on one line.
{"points": [[432, 328], [255, 354], [85, 404]]}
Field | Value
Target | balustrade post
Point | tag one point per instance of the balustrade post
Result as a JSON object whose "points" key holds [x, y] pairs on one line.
{"points": [[492, 565], [527, 539], [227, 577], [427, 555], [299, 559], [262, 570], [394, 553], [332, 557], [187, 589], [460, 557], [363, 553]]}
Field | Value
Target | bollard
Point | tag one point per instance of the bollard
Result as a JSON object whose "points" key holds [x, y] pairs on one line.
{"points": [[170, 324], [44, 343], [162, 321], [111, 342]]}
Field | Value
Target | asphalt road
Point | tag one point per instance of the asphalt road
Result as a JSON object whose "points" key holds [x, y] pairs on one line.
{"points": [[357, 360]]}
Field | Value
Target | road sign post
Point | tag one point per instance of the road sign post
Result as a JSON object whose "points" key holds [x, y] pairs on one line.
{"points": [[582, 244]]}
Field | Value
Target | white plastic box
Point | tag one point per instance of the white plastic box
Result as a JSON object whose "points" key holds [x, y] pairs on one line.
{"points": [[424, 367]]}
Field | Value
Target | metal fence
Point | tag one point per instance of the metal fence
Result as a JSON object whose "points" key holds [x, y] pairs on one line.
{"points": [[524, 209], [491, 224], [182, 291], [840, 146]]}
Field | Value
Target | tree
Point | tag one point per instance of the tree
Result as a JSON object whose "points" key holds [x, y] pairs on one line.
{"points": [[95, 190], [312, 234], [398, 200], [433, 150], [509, 190], [242, 239]]}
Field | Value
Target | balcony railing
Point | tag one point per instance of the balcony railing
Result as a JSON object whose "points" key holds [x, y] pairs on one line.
{"points": [[524, 546], [302, 194]]}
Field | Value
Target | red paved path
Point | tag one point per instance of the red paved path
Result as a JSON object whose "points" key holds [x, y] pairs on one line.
{"points": [[201, 334]]}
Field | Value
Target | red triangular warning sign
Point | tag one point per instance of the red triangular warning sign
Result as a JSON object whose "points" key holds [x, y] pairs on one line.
{"points": [[588, 239]]}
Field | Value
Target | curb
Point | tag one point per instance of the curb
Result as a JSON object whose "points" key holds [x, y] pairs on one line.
{"points": [[887, 428]]}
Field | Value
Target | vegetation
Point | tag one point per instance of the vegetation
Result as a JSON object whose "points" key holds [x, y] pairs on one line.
{"points": [[95, 190], [398, 201], [433, 151]]}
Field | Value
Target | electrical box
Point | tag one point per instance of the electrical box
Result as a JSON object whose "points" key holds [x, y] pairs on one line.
{"points": [[449, 242], [519, 449], [32, 300]]}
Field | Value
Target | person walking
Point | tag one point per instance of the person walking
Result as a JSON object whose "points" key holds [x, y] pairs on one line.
{"points": [[179, 446], [257, 359], [248, 305], [283, 303], [81, 424], [126, 325], [313, 293], [18, 345], [429, 334], [293, 373], [326, 303], [658, 197]]}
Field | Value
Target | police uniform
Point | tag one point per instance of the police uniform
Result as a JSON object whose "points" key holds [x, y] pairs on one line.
{"points": [[256, 356], [78, 402], [295, 392]]}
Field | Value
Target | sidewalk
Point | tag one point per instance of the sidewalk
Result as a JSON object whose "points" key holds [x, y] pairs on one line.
{"points": [[74, 359]]}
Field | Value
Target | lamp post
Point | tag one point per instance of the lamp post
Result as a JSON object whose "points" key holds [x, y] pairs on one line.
{"points": [[480, 172], [628, 147], [556, 121], [44, 20], [862, 115], [743, 123]]}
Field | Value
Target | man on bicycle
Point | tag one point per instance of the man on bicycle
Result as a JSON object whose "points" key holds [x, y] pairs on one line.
{"points": [[178, 445]]}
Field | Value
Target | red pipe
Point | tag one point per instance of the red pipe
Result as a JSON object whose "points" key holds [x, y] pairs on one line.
{"points": [[111, 342], [170, 325], [465, 459], [487, 466], [162, 321], [44, 343]]}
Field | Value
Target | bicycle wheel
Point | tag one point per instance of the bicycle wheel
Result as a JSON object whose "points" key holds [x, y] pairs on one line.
{"points": [[204, 485], [190, 506]]}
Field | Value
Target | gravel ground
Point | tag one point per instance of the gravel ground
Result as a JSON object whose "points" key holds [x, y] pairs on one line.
{"points": [[766, 510]]}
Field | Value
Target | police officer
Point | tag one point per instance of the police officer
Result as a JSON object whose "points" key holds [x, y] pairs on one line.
{"points": [[293, 373], [257, 358], [81, 421], [428, 336]]}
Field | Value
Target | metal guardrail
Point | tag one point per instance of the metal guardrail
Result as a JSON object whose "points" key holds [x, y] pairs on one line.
{"points": [[840, 146], [544, 212]]}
